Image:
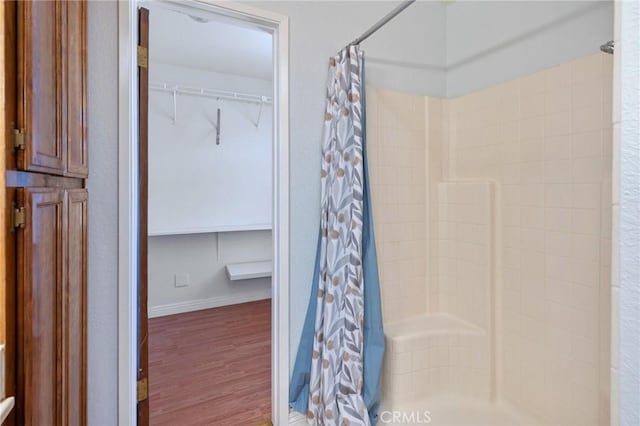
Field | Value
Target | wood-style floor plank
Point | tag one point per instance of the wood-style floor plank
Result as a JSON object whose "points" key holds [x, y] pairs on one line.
{"points": [[211, 367]]}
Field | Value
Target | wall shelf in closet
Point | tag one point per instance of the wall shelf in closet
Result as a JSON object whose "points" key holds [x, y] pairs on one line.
{"points": [[210, 230], [249, 270]]}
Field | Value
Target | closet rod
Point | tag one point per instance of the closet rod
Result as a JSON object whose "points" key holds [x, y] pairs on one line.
{"points": [[210, 93]]}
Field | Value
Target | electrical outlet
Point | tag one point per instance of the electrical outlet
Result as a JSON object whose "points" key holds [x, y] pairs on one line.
{"points": [[181, 280]]}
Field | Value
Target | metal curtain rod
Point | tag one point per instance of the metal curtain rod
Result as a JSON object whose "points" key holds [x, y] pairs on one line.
{"points": [[389, 16]]}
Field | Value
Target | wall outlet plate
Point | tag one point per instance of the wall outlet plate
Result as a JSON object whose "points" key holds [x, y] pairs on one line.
{"points": [[181, 280]]}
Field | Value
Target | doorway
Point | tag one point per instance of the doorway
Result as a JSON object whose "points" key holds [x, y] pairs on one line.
{"points": [[217, 220]]}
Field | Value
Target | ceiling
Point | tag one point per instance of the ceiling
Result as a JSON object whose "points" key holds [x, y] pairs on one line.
{"points": [[177, 38]]}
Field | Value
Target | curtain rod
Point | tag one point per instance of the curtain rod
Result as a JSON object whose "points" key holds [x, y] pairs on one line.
{"points": [[389, 16]]}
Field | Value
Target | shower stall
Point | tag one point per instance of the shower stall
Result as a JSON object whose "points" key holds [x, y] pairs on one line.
{"points": [[492, 215]]}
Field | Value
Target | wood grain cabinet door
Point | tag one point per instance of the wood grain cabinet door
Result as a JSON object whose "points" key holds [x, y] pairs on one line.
{"points": [[40, 86], [75, 314], [40, 255], [76, 88], [52, 87]]}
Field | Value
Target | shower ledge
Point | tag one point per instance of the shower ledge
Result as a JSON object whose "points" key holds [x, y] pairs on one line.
{"points": [[431, 324]]}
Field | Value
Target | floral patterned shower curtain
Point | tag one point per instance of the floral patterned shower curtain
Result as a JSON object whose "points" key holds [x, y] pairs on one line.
{"points": [[336, 369], [329, 381]]}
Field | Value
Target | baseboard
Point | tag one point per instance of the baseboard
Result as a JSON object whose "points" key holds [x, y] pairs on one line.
{"points": [[297, 419], [214, 302]]}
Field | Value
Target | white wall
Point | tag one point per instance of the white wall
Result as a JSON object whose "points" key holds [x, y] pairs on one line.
{"points": [[103, 214], [194, 183], [489, 42], [203, 257], [626, 208], [214, 186]]}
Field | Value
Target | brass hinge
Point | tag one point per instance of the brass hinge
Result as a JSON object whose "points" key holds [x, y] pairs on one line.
{"points": [[18, 138], [18, 217], [143, 57], [142, 389]]}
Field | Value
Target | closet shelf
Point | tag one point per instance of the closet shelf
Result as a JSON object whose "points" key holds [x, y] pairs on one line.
{"points": [[249, 270], [210, 93]]}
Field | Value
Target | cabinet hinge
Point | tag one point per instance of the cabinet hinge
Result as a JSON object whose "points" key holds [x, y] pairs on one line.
{"points": [[142, 389], [18, 217], [18, 138], [143, 57]]}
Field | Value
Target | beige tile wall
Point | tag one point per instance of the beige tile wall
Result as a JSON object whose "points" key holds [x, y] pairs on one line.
{"points": [[435, 363], [466, 251], [546, 139], [437, 115], [396, 157]]}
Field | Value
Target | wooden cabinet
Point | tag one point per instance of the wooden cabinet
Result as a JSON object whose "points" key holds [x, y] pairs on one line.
{"points": [[45, 250], [74, 311], [40, 283], [76, 117], [51, 276], [51, 121]]}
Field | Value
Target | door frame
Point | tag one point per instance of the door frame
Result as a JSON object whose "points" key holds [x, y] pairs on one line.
{"points": [[128, 195]]}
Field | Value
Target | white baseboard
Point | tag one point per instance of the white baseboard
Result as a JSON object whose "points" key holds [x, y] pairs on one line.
{"points": [[297, 419], [214, 302]]}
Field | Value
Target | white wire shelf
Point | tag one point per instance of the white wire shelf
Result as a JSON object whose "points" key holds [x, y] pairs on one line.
{"points": [[210, 93], [218, 94]]}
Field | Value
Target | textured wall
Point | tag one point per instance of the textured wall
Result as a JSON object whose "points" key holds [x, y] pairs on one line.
{"points": [[103, 213], [626, 205]]}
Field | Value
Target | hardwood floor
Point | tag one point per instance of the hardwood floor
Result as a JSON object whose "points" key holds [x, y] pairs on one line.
{"points": [[211, 367]]}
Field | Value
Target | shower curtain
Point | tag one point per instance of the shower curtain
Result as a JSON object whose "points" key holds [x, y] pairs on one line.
{"points": [[336, 377]]}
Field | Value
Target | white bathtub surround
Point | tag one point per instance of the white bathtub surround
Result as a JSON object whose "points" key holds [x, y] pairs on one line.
{"points": [[435, 354], [451, 350], [466, 252], [544, 142], [456, 410], [396, 157]]}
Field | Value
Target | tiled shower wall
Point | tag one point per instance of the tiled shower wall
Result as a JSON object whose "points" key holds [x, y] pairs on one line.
{"points": [[466, 251], [546, 140], [396, 158]]}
